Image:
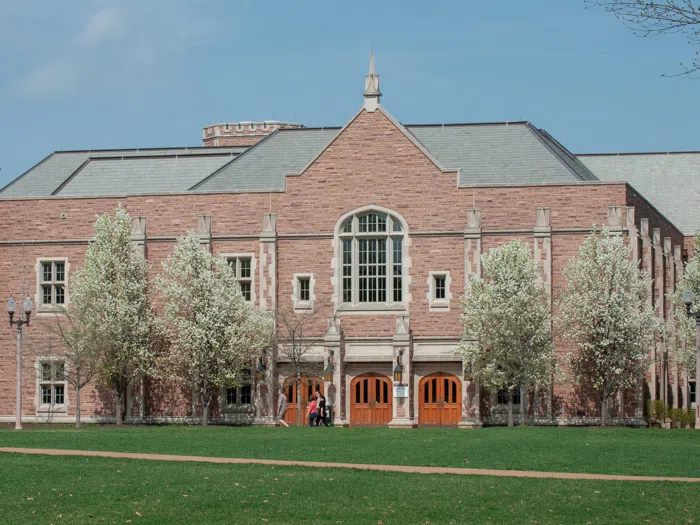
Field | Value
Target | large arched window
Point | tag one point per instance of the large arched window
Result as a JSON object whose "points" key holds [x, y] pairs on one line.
{"points": [[371, 260]]}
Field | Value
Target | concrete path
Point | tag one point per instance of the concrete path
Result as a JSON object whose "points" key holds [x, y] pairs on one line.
{"points": [[359, 466]]}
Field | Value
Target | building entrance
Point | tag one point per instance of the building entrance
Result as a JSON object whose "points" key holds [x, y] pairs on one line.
{"points": [[370, 400], [440, 400]]}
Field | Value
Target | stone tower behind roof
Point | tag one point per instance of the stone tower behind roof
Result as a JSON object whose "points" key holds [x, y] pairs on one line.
{"points": [[242, 133]]}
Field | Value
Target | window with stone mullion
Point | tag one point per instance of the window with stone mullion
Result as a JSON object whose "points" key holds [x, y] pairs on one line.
{"points": [[372, 259]]}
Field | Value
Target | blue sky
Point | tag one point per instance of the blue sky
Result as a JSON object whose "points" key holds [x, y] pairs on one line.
{"points": [[83, 74]]}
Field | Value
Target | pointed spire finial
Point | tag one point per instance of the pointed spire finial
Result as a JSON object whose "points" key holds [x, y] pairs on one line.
{"points": [[371, 92]]}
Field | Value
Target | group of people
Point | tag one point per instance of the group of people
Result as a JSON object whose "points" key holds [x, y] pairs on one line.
{"points": [[315, 411]]}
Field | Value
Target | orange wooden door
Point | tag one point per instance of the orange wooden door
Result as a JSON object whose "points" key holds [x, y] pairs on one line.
{"points": [[451, 410], [298, 397], [440, 400], [370, 400], [429, 411]]}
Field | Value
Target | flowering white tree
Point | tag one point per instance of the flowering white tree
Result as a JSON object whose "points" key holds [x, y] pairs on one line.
{"points": [[507, 321], [681, 345], [215, 333], [111, 301], [605, 313], [680, 337]]}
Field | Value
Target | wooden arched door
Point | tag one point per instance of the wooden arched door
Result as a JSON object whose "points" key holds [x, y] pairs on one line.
{"points": [[298, 397], [370, 400], [440, 400]]}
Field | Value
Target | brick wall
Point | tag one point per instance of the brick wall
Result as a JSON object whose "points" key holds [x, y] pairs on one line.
{"points": [[370, 163]]}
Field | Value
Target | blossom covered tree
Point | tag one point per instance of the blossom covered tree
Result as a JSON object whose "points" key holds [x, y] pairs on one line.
{"points": [[215, 333], [681, 345], [507, 321], [111, 305], [680, 339], [605, 313]]}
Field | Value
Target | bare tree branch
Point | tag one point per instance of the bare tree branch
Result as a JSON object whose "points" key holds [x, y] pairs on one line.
{"points": [[648, 19]]}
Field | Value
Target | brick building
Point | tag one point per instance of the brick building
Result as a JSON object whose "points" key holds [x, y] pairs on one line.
{"points": [[370, 230]]}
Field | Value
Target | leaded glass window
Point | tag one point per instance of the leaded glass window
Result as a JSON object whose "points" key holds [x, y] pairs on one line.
{"points": [[371, 259], [52, 385]]}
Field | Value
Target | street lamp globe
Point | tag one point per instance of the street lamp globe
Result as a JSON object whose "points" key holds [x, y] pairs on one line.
{"points": [[27, 305], [688, 297], [11, 306]]}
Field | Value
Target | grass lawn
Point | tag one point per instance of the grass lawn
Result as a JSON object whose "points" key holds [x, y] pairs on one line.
{"points": [[70, 490], [594, 450]]}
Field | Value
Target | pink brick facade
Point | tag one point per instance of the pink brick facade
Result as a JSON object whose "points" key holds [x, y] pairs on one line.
{"points": [[370, 165]]}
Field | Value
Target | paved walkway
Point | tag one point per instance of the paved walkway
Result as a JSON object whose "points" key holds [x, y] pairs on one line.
{"points": [[359, 466]]}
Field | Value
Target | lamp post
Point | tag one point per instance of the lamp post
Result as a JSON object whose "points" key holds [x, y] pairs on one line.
{"points": [[398, 369], [11, 308], [688, 299], [328, 371]]}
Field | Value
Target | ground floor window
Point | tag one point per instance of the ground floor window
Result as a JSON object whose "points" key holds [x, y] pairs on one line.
{"points": [[52, 385], [692, 393], [503, 397], [239, 396]]}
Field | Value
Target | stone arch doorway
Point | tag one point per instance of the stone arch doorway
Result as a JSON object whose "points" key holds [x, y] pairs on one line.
{"points": [[298, 397], [371, 400], [439, 400]]}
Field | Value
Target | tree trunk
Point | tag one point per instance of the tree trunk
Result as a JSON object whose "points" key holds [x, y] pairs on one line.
{"points": [[206, 401], [120, 403], [510, 409], [77, 406], [603, 411], [522, 405]]}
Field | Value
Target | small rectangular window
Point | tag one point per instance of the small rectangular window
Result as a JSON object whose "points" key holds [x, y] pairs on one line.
{"points": [[305, 289], [46, 271], [58, 394], [440, 287], [245, 268], [245, 290], [246, 395], [46, 394], [503, 397], [60, 271], [231, 396]]}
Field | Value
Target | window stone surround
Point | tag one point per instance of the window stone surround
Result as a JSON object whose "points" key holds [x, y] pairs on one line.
{"points": [[439, 305], [299, 305], [388, 307]]}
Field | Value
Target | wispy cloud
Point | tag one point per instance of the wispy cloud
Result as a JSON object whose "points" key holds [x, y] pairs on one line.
{"points": [[119, 45]]}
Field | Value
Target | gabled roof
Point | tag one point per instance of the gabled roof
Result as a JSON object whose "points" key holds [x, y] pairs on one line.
{"points": [[484, 154], [670, 181], [56, 173]]}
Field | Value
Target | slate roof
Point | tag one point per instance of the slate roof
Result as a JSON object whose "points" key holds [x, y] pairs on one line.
{"points": [[55, 170], [264, 166], [486, 154], [670, 181], [501, 153]]}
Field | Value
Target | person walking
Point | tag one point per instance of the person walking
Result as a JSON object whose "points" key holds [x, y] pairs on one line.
{"points": [[282, 407], [321, 409], [311, 411]]}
